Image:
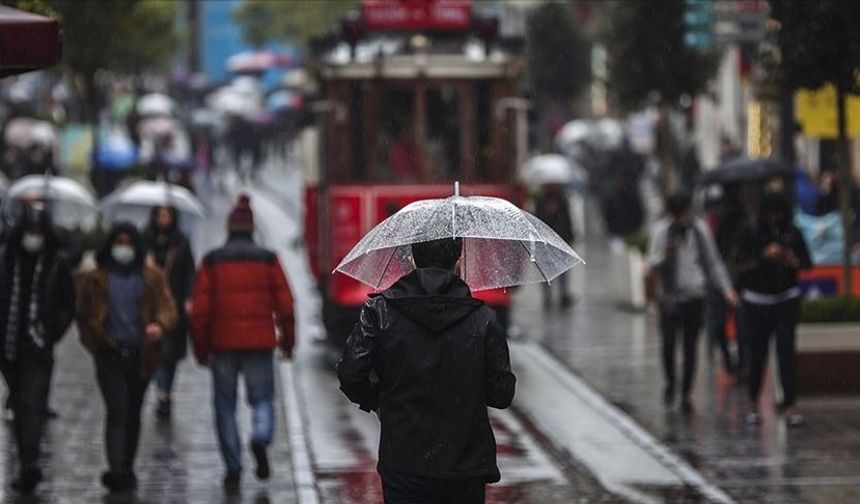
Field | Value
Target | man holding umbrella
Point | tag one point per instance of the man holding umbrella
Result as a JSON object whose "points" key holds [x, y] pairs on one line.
{"points": [[429, 359], [37, 302]]}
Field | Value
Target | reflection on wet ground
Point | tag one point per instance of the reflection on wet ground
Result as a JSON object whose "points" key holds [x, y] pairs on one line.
{"points": [[617, 352], [179, 462]]}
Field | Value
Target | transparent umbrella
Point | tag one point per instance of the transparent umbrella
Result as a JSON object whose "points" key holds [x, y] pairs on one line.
{"points": [[149, 194], [503, 246], [72, 205]]}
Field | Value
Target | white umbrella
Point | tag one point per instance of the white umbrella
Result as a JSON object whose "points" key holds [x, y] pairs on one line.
{"points": [[71, 203], [553, 169], [503, 245], [155, 104], [573, 133], [147, 194]]}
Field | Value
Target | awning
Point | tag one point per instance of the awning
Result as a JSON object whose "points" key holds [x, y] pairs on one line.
{"points": [[27, 41]]}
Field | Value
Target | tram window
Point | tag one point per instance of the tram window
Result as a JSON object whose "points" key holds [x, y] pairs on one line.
{"points": [[359, 170], [484, 129], [399, 156], [443, 132]]}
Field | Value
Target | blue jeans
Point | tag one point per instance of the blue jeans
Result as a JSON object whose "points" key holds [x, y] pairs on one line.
{"points": [[259, 372]]}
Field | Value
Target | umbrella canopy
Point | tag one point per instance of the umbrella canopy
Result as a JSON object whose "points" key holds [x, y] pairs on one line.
{"points": [[23, 132], [745, 169], [553, 169], [503, 245], [259, 61], [573, 133], [154, 104], [148, 194], [116, 152], [29, 41], [70, 202]]}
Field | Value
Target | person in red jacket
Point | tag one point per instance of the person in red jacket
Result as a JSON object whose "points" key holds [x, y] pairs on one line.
{"points": [[241, 301]]}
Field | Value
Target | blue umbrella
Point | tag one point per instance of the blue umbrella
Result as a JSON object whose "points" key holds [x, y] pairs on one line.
{"points": [[116, 153]]}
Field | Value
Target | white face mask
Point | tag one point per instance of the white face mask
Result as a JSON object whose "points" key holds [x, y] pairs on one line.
{"points": [[123, 254], [32, 242]]}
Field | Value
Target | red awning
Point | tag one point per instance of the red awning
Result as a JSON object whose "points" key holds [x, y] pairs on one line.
{"points": [[27, 41]]}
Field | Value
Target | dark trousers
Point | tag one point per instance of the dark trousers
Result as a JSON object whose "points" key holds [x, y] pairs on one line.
{"points": [[780, 321], [164, 377], [29, 380], [123, 390], [399, 488], [684, 318], [717, 313]]}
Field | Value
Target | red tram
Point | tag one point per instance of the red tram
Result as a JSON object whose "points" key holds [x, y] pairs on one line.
{"points": [[415, 94]]}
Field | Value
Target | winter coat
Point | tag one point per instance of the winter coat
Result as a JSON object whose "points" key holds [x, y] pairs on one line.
{"points": [[56, 291], [765, 276], [156, 307], [554, 209], [175, 259], [156, 303], [429, 359], [240, 296]]}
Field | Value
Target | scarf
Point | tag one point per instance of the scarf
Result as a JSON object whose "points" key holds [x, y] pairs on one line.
{"points": [[35, 329]]}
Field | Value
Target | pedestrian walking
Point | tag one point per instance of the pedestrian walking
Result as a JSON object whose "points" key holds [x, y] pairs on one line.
{"points": [[771, 251], [169, 249], [241, 302], [686, 263], [553, 207], [37, 303], [727, 218], [429, 359], [124, 310]]}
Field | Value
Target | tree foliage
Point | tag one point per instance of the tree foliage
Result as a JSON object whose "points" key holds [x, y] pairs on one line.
{"points": [[265, 21], [558, 52], [123, 36], [645, 40], [819, 43]]}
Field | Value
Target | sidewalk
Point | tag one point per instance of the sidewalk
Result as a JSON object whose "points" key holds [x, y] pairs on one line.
{"points": [[617, 353], [178, 462]]}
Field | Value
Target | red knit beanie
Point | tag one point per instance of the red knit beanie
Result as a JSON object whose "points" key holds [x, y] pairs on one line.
{"points": [[241, 218]]}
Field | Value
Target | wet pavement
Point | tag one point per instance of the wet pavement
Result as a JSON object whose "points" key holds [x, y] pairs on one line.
{"points": [[342, 440], [588, 424], [178, 462], [617, 353]]}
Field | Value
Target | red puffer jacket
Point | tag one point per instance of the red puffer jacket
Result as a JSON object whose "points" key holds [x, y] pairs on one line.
{"points": [[240, 297]]}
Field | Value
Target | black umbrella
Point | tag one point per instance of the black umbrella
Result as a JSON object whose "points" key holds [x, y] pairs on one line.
{"points": [[745, 169]]}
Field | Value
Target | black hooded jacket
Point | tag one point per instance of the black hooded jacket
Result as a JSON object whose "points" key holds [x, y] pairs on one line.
{"points": [[429, 359]]}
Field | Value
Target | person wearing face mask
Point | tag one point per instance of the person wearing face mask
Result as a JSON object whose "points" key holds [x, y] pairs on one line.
{"points": [[124, 310], [37, 301], [168, 248], [770, 253], [687, 264]]}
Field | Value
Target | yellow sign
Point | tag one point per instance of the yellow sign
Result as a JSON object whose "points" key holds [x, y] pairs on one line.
{"points": [[815, 110]]}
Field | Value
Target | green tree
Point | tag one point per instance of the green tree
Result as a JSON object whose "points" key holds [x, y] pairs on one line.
{"points": [[120, 36], [558, 52], [819, 44], [265, 21], [645, 40]]}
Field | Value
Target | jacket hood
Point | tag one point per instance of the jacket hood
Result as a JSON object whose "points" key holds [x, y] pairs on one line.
{"points": [[432, 298], [104, 258]]}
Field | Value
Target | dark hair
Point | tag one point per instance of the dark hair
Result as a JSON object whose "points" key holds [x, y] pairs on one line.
{"points": [[678, 204], [442, 254], [104, 257], [773, 202], [35, 218]]}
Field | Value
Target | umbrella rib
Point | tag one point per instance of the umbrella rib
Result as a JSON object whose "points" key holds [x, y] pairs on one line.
{"points": [[531, 256], [387, 264]]}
